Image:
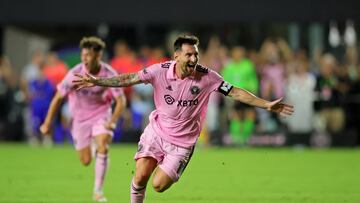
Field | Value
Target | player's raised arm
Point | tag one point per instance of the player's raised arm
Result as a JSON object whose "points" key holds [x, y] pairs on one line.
{"points": [[276, 106], [123, 80]]}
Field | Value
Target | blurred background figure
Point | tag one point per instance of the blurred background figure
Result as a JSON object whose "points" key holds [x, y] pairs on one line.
{"points": [[38, 91], [54, 69], [215, 56], [330, 116], [274, 55], [300, 91], [11, 103], [125, 60], [6, 91], [240, 71]]}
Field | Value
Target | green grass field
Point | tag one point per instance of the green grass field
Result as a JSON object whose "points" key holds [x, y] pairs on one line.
{"points": [[218, 175]]}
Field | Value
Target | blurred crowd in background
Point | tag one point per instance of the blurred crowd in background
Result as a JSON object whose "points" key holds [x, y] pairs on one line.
{"points": [[322, 82]]}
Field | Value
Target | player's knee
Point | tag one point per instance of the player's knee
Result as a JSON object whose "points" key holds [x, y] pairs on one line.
{"points": [[158, 187], [102, 149]]}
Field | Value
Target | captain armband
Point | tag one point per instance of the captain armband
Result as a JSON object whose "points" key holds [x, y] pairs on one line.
{"points": [[225, 88]]}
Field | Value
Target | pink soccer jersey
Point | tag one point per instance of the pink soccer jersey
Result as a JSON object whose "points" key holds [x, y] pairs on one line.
{"points": [[94, 102], [181, 103]]}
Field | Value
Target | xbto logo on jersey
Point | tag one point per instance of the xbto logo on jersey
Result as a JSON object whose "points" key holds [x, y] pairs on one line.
{"points": [[170, 100], [188, 102]]}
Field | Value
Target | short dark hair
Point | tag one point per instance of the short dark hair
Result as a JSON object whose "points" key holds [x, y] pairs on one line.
{"points": [[93, 43], [185, 39]]}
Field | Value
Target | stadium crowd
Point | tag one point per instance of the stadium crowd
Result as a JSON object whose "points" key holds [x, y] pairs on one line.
{"points": [[323, 87]]}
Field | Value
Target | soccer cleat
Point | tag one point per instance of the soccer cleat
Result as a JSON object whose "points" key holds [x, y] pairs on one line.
{"points": [[99, 197]]}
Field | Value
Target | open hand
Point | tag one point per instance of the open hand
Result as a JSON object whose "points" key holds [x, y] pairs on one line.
{"points": [[281, 108], [84, 81]]}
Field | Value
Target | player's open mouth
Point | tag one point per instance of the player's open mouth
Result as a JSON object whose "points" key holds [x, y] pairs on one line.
{"points": [[191, 65]]}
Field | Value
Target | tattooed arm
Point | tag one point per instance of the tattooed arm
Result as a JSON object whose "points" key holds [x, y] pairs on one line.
{"points": [[123, 80]]}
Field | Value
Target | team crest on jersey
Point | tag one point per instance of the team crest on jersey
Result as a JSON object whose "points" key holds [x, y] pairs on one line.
{"points": [[194, 90], [169, 99]]}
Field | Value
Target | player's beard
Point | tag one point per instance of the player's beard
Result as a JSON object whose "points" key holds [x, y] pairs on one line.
{"points": [[92, 67]]}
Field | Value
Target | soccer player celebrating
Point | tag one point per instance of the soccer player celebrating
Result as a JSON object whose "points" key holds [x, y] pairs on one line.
{"points": [[181, 92], [91, 110]]}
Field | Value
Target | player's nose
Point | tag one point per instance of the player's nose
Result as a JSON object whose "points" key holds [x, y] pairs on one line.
{"points": [[193, 59]]}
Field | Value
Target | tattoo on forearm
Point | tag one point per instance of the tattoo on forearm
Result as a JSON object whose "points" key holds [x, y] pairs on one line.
{"points": [[123, 80]]}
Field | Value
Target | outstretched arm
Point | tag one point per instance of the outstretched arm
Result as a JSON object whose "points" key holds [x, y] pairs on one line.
{"points": [[123, 80], [276, 106], [54, 106]]}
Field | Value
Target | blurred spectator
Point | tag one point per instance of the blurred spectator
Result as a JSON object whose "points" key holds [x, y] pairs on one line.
{"points": [[144, 55], [30, 72], [11, 103], [272, 79], [124, 60], [330, 114], [300, 92], [55, 69], [353, 105], [40, 92], [214, 57], [5, 95], [148, 56], [241, 72]]}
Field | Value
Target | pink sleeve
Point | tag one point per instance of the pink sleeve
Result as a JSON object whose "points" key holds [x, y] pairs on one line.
{"points": [[219, 84], [66, 85], [215, 80], [148, 74]]}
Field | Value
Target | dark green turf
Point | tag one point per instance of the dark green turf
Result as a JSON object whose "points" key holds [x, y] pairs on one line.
{"points": [[213, 175]]}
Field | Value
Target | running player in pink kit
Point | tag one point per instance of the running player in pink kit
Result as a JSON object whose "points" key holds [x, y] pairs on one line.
{"points": [[91, 110], [181, 93]]}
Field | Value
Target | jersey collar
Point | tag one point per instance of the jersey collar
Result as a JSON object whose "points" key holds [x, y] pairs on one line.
{"points": [[171, 75], [171, 72]]}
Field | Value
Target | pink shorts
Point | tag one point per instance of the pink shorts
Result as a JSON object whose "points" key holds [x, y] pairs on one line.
{"points": [[83, 132], [171, 159]]}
